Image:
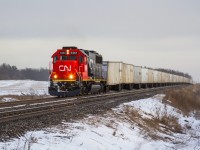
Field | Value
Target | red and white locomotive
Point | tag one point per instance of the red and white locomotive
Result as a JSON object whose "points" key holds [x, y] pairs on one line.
{"points": [[75, 71]]}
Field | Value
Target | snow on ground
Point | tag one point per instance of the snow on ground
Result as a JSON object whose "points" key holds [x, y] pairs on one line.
{"points": [[23, 87], [114, 131], [8, 99]]}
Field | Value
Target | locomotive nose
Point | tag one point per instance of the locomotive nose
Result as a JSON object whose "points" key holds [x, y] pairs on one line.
{"points": [[68, 70]]}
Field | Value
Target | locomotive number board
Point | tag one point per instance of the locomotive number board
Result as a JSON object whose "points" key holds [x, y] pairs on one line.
{"points": [[72, 53]]}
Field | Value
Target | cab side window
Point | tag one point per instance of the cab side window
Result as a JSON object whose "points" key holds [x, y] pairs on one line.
{"points": [[55, 59], [81, 59]]}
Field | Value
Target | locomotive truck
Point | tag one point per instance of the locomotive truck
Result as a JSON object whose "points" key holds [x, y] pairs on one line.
{"points": [[77, 71]]}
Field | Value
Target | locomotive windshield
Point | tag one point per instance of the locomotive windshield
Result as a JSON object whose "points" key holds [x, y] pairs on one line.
{"points": [[64, 58], [73, 58]]}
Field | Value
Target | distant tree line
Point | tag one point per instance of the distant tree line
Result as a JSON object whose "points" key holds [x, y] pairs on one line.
{"points": [[8, 72], [175, 72]]}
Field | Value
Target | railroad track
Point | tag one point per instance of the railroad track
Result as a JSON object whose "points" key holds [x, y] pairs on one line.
{"points": [[32, 108]]}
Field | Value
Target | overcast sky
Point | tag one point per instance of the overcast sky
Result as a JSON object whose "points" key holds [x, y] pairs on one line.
{"points": [[152, 33]]}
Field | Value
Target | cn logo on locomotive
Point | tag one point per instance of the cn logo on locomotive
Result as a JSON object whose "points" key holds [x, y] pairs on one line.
{"points": [[65, 68]]}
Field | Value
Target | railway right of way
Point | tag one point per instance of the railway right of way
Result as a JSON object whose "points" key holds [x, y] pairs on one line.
{"points": [[27, 109]]}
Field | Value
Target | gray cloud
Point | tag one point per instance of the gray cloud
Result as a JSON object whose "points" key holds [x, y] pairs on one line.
{"points": [[154, 33], [146, 19]]}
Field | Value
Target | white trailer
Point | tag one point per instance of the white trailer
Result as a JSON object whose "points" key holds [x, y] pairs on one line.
{"points": [[145, 76], [150, 76], [128, 74], [112, 72], [137, 75]]}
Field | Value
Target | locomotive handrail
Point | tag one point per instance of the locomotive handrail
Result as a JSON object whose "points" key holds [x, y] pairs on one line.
{"points": [[79, 77]]}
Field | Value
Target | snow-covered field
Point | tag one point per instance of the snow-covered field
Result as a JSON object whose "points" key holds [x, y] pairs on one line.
{"points": [[12, 90], [115, 130], [23, 87], [122, 128]]}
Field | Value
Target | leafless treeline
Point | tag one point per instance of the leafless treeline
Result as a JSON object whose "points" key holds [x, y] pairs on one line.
{"points": [[175, 72], [8, 72]]}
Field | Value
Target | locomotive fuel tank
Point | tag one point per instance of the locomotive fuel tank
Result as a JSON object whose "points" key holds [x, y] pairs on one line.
{"points": [[95, 88]]}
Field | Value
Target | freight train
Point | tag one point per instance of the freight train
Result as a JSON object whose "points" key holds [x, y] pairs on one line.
{"points": [[77, 71]]}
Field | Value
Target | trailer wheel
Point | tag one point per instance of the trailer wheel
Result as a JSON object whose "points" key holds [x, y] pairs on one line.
{"points": [[128, 87], [118, 87]]}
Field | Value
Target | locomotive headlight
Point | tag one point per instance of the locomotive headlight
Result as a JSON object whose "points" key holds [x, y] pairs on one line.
{"points": [[71, 76], [55, 76]]}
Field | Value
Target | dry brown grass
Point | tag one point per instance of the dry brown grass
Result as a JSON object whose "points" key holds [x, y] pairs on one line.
{"points": [[153, 125], [185, 99]]}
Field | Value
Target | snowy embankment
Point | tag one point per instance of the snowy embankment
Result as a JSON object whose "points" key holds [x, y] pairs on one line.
{"points": [[135, 125], [22, 87]]}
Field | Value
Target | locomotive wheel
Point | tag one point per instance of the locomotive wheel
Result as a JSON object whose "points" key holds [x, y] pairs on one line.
{"points": [[82, 91], [64, 95]]}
